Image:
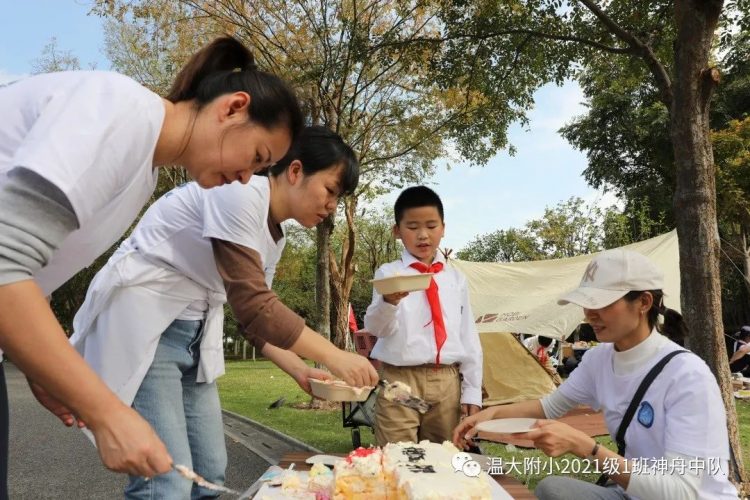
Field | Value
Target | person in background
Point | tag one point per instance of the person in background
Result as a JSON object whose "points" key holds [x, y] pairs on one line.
{"points": [[79, 155], [426, 340], [543, 349], [739, 361], [679, 420], [193, 251]]}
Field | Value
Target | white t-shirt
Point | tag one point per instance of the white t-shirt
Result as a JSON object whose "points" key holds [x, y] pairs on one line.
{"points": [[93, 135], [175, 231], [682, 411]]}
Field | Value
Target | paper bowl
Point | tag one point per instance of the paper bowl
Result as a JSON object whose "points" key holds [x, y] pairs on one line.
{"points": [[337, 390], [406, 283]]}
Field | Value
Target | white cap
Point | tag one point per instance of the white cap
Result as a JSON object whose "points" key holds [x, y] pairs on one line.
{"points": [[611, 275]]}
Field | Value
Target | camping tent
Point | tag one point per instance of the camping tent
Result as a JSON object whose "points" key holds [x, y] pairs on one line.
{"points": [[511, 373], [522, 296]]}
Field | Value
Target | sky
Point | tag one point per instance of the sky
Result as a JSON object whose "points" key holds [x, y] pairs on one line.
{"points": [[507, 192]]}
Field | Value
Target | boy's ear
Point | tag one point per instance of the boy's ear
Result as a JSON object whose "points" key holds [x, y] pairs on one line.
{"points": [[396, 232]]}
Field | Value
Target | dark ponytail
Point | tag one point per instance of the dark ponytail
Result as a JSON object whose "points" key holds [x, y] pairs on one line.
{"points": [[674, 326], [319, 148], [225, 66]]}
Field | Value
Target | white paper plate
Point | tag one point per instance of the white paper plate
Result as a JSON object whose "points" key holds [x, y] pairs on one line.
{"points": [[742, 394], [506, 425], [406, 283]]}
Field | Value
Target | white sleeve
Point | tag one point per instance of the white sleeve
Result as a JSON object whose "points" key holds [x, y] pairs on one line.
{"points": [[555, 405], [471, 366], [529, 343], [236, 213], [580, 386], [381, 318], [91, 141], [652, 484]]}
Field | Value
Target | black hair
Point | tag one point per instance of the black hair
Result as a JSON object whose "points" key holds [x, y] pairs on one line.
{"points": [[674, 327], [544, 341], [319, 148], [225, 66], [743, 334], [417, 197]]}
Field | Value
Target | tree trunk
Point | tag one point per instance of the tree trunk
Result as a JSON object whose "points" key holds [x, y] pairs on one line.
{"points": [[342, 280], [322, 277], [746, 255], [695, 198]]}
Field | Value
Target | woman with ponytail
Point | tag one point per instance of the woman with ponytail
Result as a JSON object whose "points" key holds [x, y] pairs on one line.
{"points": [[661, 403], [79, 153]]}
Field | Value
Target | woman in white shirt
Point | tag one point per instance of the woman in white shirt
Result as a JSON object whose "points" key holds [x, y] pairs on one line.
{"points": [[676, 445], [79, 153], [193, 251]]}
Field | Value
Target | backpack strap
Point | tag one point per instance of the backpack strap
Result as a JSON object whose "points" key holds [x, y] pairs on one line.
{"points": [[634, 403]]}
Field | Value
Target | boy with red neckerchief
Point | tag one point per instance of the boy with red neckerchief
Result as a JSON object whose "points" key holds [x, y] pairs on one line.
{"points": [[426, 339]]}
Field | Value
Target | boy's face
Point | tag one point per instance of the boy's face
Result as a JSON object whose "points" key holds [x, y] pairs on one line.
{"points": [[421, 230]]}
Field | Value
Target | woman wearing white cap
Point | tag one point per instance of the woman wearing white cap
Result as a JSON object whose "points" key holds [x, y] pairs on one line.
{"points": [[673, 442]]}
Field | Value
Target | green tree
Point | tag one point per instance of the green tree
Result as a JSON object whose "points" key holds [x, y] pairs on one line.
{"points": [[359, 71], [54, 59], [672, 42], [503, 245]]}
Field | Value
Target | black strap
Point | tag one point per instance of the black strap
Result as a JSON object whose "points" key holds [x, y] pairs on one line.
{"points": [[634, 403]]}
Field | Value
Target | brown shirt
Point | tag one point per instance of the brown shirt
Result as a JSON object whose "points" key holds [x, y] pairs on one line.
{"points": [[264, 318]]}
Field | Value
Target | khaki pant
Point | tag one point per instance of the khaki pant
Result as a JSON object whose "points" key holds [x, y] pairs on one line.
{"points": [[440, 386]]}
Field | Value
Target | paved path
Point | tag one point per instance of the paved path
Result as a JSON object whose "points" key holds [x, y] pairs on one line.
{"points": [[49, 460]]}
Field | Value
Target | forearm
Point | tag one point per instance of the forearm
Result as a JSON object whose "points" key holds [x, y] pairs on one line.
{"points": [[286, 360], [312, 345], [528, 409], [34, 340], [737, 355]]}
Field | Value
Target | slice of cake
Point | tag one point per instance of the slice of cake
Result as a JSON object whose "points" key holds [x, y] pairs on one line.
{"points": [[360, 476], [424, 471]]}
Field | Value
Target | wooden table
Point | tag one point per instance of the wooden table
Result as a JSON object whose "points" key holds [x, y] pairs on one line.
{"points": [[513, 486]]}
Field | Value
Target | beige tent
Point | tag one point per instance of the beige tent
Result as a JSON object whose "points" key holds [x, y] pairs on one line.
{"points": [[511, 373], [522, 296]]}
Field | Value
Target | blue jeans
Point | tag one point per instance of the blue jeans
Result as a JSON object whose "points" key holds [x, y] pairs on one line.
{"points": [[567, 488], [186, 415]]}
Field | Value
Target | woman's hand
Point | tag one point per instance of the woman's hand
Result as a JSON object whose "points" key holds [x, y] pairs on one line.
{"points": [[465, 430], [353, 369], [54, 406], [303, 376], [556, 438], [127, 443]]}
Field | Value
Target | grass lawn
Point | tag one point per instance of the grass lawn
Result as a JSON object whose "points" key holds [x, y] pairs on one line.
{"points": [[249, 387]]}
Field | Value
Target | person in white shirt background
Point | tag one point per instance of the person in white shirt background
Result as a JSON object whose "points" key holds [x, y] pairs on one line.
{"points": [[191, 252], [681, 419], [426, 340], [79, 153]]}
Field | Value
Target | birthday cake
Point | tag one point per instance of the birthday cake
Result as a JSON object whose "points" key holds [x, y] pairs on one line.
{"points": [[406, 471]]}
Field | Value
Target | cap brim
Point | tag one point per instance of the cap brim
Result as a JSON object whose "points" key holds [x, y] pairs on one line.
{"points": [[591, 298]]}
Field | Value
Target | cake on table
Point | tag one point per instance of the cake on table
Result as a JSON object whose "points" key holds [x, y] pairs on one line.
{"points": [[406, 471], [399, 471]]}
